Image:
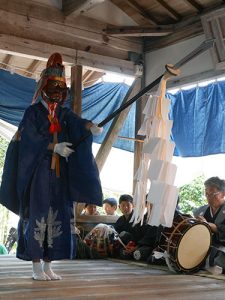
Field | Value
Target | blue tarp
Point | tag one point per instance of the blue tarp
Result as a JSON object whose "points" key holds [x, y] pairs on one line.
{"points": [[98, 102], [199, 120], [198, 113]]}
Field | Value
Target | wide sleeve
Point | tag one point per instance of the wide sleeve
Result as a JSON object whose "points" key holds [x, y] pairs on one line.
{"points": [[34, 140], [220, 223], [199, 211], [221, 232], [84, 181]]}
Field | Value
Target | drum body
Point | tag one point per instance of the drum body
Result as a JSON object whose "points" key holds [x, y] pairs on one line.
{"points": [[101, 238], [187, 243]]}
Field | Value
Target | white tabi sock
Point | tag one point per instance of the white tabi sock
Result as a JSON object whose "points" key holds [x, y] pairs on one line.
{"points": [[48, 270], [38, 273], [215, 270]]}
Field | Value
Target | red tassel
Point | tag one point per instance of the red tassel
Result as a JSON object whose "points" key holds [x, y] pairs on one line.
{"points": [[54, 126], [58, 127], [54, 122]]}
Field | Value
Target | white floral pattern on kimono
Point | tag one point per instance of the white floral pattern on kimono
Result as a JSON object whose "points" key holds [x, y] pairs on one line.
{"points": [[53, 228]]}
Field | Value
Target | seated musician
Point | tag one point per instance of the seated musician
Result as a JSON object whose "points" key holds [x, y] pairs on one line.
{"points": [[133, 237], [214, 214]]}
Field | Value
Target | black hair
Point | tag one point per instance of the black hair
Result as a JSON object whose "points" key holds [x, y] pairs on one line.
{"points": [[126, 197]]}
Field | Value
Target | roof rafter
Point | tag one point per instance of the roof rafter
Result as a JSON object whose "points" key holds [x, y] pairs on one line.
{"points": [[184, 29], [170, 10], [91, 78], [127, 4], [142, 11], [194, 4], [32, 68], [6, 62], [86, 75]]}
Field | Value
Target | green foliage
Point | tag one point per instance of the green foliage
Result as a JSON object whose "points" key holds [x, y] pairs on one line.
{"points": [[4, 217], [192, 195], [3, 146], [4, 213]]}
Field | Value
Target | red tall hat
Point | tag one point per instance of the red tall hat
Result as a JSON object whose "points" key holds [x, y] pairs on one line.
{"points": [[54, 71]]}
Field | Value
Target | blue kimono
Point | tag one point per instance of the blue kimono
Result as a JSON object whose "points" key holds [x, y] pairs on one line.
{"points": [[31, 189]]}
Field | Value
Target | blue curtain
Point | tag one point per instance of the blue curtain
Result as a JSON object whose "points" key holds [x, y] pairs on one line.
{"points": [[98, 102], [199, 120], [198, 113], [16, 93], [102, 99]]}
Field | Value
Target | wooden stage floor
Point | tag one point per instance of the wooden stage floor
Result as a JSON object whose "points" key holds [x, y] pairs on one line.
{"points": [[105, 280]]}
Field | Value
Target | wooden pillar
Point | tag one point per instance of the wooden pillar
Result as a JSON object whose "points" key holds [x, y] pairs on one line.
{"points": [[76, 106], [76, 89], [140, 104], [115, 127]]}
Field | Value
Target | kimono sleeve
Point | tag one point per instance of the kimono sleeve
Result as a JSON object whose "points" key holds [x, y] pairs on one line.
{"points": [[33, 146], [85, 185]]}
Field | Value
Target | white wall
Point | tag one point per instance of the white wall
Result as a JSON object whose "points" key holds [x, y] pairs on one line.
{"points": [[155, 61]]}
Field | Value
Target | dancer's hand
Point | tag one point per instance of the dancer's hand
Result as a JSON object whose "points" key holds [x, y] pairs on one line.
{"points": [[95, 130], [63, 149]]}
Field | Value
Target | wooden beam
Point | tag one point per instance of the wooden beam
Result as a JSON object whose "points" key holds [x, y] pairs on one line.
{"points": [[48, 23], [140, 104], [32, 68], [33, 9], [139, 31], [40, 50], [219, 36], [87, 75], [142, 11], [79, 6], [180, 34], [213, 24], [33, 28], [183, 30], [170, 10], [94, 76], [115, 127], [140, 16], [195, 5], [76, 89], [6, 62]]}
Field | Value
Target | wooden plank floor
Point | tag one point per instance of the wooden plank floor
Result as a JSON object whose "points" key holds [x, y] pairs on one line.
{"points": [[105, 280]]}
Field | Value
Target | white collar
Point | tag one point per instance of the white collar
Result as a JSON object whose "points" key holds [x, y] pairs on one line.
{"points": [[44, 103]]}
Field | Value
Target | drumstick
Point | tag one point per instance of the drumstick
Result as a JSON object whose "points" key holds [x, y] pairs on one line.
{"points": [[119, 239]]}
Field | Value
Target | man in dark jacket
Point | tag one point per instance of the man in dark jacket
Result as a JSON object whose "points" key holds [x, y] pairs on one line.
{"points": [[134, 237], [214, 214]]}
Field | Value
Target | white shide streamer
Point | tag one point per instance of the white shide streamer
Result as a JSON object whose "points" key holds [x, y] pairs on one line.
{"points": [[156, 172]]}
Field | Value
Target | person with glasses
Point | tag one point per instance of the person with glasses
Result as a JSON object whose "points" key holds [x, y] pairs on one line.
{"points": [[214, 214]]}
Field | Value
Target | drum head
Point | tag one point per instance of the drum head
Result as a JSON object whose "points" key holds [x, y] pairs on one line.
{"points": [[194, 246]]}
